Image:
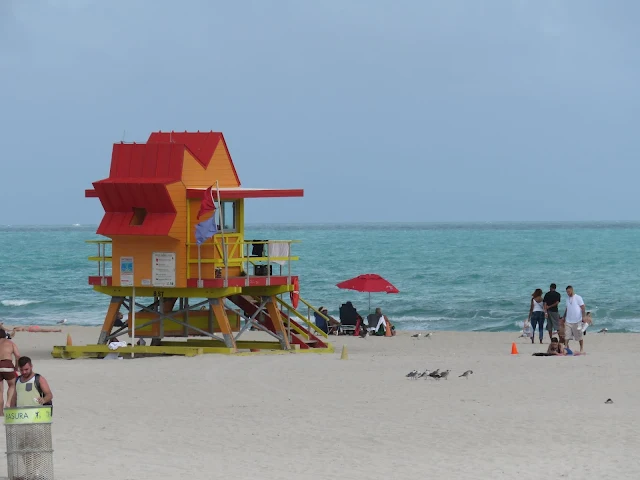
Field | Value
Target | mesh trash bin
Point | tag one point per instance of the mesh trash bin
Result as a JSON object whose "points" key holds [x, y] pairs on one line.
{"points": [[29, 444]]}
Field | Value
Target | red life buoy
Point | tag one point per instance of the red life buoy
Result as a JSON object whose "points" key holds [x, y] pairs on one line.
{"points": [[295, 294]]}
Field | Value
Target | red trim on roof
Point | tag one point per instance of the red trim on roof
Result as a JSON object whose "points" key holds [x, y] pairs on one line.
{"points": [[90, 193], [236, 193]]}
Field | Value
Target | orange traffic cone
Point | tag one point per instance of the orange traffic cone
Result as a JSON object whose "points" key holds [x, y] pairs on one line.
{"points": [[69, 342], [514, 349]]}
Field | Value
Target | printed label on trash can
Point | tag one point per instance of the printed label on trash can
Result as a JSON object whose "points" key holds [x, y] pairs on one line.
{"points": [[22, 416]]}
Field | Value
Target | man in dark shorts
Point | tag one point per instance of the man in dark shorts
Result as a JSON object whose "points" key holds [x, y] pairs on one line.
{"points": [[551, 301], [8, 349]]}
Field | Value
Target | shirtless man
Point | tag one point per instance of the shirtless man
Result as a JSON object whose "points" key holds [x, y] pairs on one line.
{"points": [[7, 368]]}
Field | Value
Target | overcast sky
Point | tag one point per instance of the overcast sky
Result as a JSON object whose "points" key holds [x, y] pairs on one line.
{"points": [[382, 111]]}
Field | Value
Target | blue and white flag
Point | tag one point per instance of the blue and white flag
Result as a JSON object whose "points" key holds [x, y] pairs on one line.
{"points": [[205, 230]]}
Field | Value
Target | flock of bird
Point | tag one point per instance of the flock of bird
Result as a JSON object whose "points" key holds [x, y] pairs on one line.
{"points": [[425, 335], [436, 374]]}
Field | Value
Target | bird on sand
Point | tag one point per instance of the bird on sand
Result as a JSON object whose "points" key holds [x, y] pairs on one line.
{"points": [[444, 374], [428, 335], [609, 401], [61, 322], [423, 374], [417, 335], [466, 374], [435, 373], [604, 330], [412, 374]]}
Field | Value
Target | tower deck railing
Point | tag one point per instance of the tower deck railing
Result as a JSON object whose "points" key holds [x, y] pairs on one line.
{"points": [[233, 253]]}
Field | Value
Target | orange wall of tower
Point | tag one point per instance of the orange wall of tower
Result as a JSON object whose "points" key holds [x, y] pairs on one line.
{"points": [[141, 248], [178, 193], [195, 176]]}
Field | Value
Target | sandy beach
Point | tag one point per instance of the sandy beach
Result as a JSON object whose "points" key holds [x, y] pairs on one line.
{"points": [[317, 416]]}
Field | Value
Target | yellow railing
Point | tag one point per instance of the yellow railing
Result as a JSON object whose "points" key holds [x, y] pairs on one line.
{"points": [[243, 257], [237, 254], [102, 257], [312, 326]]}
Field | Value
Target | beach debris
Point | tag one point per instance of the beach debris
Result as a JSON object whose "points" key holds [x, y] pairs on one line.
{"points": [[62, 322], [466, 374], [603, 330], [416, 335], [609, 401], [412, 374]]}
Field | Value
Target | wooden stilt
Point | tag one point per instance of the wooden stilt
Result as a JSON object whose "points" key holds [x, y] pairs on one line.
{"points": [[217, 306], [110, 318], [278, 325]]}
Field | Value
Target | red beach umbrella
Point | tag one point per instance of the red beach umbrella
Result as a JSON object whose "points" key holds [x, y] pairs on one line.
{"points": [[369, 282]]}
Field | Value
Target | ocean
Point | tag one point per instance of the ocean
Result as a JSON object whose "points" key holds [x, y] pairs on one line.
{"points": [[464, 277]]}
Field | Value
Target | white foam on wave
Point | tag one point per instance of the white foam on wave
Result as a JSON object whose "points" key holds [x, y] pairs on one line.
{"points": [[18, 303]]}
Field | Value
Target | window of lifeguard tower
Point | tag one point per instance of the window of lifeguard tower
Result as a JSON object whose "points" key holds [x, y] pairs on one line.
{"points": [[229, 212]]}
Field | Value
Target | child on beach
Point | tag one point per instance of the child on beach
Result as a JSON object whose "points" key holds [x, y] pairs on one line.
{"points": [[555, 347], [586, 321]]}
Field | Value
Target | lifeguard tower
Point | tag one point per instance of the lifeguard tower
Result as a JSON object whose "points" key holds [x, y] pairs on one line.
{"points": [[185, 293]]}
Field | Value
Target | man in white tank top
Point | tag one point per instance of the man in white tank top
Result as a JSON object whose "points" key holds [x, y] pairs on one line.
{"points": [[32, 389]]}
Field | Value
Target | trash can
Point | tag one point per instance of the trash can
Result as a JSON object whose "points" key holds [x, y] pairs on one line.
{"points": [[29, 443]]}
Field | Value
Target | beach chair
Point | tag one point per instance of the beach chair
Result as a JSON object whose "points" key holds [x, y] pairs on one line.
{"points": [[348, 318]]}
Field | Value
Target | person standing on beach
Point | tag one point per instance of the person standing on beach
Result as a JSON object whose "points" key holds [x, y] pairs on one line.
{"points": [[551, 302], [32, 389], [8, 349], [536, 314], [573, 315]]}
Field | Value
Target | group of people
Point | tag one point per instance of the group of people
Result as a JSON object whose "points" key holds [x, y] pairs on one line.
{"points": [[25, 388], [377, 323], [571, 325]]}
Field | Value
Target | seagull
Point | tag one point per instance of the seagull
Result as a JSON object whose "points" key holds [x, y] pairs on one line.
{"points": [[604, 330], [428, 335], [435, 374], [61, 322], [423, 374], [444, 374], [412, 374], [417, 335], [609, 401], [466, 374]]}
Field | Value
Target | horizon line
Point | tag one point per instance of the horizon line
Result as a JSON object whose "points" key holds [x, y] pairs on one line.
{"points": [[342, 223]]}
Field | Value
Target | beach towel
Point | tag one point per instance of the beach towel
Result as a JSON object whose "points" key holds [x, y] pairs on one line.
{"points": [[116, 345], [279, 249]]}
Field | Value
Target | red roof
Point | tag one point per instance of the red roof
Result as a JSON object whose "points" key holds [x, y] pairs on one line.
{"points": [[119, 198], [146, 161]]}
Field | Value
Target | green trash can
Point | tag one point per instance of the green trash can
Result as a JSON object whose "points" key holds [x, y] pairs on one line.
{"points": [[29, 443]]}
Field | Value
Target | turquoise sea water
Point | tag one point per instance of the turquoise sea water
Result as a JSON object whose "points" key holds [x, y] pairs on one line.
{"points": [[450, 276]]}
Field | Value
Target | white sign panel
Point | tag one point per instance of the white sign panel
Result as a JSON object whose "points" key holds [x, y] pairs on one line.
{"points": [[126, 271], [164, 269]]}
